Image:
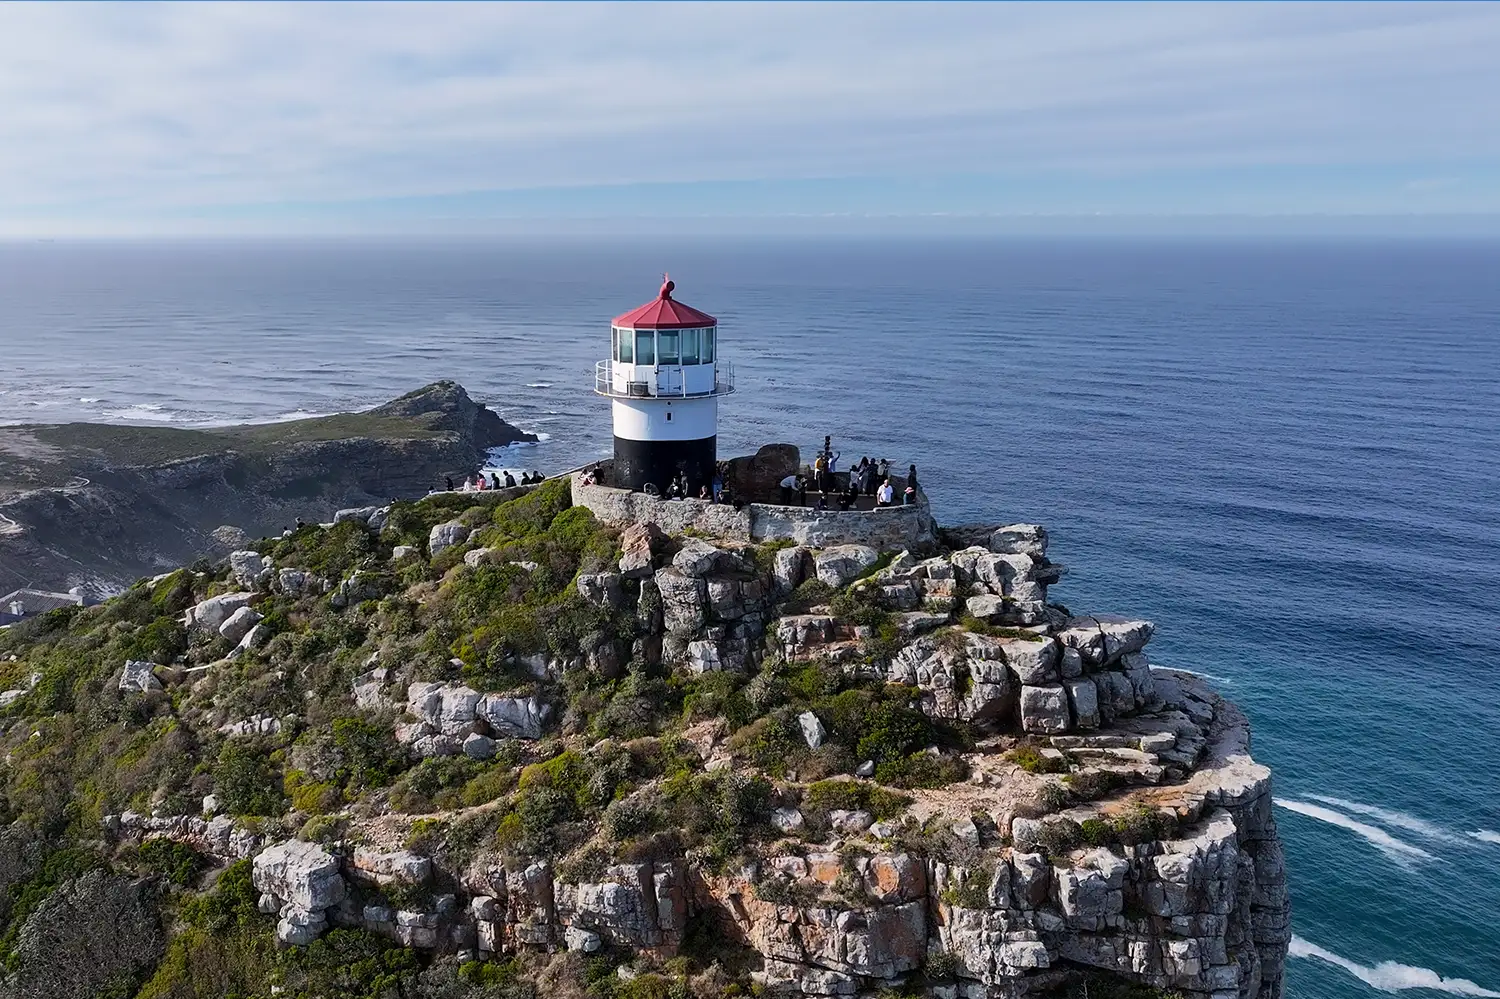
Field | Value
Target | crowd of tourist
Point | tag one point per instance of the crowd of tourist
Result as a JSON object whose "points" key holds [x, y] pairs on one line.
{"points": [[481, 482]]}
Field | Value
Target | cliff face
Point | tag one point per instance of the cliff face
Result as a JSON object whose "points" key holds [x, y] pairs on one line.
{"points": [[493, 729], [102, 505]]}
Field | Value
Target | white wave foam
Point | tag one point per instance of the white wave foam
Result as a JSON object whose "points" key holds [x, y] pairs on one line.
{"points": [[297, 414], [1401, 852], [1388, 976], [1400, 820], [538, 384], [86, 398], [1193, 672], [148, 412], [1486, 836]]}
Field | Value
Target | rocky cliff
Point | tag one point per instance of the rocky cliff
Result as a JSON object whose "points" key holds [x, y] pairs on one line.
{"points": [[489, 746], [100, 505]]}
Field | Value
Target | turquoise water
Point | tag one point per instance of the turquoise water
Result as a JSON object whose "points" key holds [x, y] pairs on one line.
{"points": [[1287, 454]]}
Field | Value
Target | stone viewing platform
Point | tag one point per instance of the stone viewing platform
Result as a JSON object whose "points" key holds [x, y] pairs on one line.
{"points": [[760, 516]]}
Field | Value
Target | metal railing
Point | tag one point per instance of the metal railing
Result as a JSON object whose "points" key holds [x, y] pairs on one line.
{"points": [[668, 381]]}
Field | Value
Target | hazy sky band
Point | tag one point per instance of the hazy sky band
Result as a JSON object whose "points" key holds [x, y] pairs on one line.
{"points": [[136, 117]]}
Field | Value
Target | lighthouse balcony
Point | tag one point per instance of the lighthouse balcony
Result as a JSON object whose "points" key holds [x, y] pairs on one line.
{"points": [[663, 381]]}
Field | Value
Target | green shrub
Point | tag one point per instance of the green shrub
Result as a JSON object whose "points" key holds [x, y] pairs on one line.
{"points": [[854, 796], [1030, 759], [1091, 785], [1058, 836], [971, 890], [922, 770], [368, 755], [177, 862], [246, 781], [892, 731]]}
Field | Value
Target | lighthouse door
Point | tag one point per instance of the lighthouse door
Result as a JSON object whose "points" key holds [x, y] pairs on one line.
{"points": [[669, 380]]}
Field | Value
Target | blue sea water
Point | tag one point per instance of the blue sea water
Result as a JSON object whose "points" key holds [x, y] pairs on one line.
{"points": [[1285, 453]]}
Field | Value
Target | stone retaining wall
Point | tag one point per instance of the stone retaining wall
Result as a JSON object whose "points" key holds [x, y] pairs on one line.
{"points": [[887, 529]]}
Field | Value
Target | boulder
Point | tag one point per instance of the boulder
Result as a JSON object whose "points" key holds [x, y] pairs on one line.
{"points": [[446, 535], [812, 729], [1019, 539], [1044, 709], [359, 514], [139, 676], [787, 819], [842, 564], [250, 570], [602, 589], [514, 717], [477, 557], [1123, 635], [703, 657], [1082, 634], [985, 607], [789, 568], [1083, 698], [1034, 662], [296, 583], [398, 865], [696, 558], [257, 636], [359, 587], [684, 601], [239, 624], [479, 747], [211, 614], [582, 941], [303, 875], [850, 822], [639, 544], [403, 551]]}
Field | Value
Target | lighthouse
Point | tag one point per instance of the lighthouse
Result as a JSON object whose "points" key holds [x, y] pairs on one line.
{"points": [[664, 378]]}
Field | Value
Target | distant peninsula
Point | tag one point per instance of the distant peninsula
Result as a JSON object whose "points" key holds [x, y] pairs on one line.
{"points": [[100, 505]]}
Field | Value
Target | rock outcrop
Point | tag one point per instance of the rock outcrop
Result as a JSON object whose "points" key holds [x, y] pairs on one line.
{"points": [[108, 504]]}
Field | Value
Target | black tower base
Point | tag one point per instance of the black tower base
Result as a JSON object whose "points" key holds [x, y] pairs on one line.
{"points": [[658, 462]]}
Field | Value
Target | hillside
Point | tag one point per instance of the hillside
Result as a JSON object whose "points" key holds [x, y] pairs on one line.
{"points": [[483, 746], [102, 504]]}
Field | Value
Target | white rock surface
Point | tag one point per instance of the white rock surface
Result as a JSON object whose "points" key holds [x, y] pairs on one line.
{"points": [[445, 536], [138, 676], [812, 729], [842, 564]]}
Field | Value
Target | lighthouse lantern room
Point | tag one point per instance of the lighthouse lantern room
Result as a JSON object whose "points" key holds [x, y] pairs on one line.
{"points": [[664, 378]]}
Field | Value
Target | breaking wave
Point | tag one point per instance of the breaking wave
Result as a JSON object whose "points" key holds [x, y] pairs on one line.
{"points": [[1388, 976], [146, 412], [1486, 836], [1401, 852], [1400, 820], [538, 384]]}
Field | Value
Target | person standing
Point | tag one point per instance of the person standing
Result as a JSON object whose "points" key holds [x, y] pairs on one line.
{"points": [[886, 494], [911, 476], [448, 481]]}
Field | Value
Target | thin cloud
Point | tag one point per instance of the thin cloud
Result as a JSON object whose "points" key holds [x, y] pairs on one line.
{"points": [[171, 109]]}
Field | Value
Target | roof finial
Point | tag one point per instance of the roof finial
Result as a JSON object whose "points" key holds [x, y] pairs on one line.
{"points": [[666, 286]]}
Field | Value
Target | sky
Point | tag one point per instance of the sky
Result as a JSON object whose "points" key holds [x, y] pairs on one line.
{"points": [[125, 119]]}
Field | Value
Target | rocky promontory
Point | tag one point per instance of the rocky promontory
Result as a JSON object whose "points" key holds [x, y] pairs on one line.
{"points": [[99, 505], [489, 746]]}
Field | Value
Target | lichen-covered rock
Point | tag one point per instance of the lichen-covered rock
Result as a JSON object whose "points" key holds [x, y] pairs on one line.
{"points": [[250, 570], [696, 558], [812, 728], [302, 874], [446, 535], [789, 568], [842, 564], [239, 624], [1044, 710], [211, 614], [639, 544], [514, 717], [684, 601], [139, 676], [602, 589], [1019, 539]]}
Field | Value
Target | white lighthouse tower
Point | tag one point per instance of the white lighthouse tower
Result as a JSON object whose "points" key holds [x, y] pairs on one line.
{"points": [[664, 379]]}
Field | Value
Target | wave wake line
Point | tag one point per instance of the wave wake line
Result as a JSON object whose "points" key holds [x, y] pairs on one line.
{"points": [[1388, 976], [1400, 851], [1400, 820], [1486, 836]]}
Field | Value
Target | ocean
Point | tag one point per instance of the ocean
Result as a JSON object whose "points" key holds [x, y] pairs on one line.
{"points": [[1286, 453]]}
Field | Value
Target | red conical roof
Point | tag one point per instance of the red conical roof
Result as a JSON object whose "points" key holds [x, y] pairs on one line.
{"points": [[664, 313]]}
